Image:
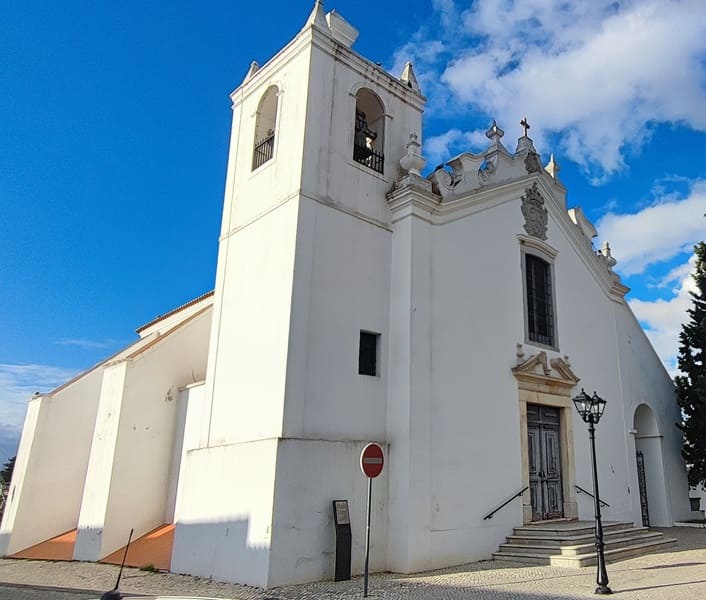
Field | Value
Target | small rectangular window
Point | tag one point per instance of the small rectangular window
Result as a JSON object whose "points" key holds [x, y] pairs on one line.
{"points": [[368, 353]]}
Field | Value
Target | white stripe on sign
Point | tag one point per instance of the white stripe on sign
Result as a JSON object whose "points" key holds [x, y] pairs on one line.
{"points": [[372, 461]]}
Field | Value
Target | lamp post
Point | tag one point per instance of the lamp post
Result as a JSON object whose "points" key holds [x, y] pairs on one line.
{"points": [[591, 410]]}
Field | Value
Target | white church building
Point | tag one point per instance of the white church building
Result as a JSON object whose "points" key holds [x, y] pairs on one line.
{"points": [[450, 318]]}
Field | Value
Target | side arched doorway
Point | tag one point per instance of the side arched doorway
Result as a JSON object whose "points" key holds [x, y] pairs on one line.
{"points": [[654, 504]]}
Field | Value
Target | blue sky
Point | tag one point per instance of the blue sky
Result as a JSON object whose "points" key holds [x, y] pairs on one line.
{"points": [[114, 125]]}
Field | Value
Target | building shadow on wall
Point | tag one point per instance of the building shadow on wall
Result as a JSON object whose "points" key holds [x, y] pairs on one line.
{"points": [[219, 550]]}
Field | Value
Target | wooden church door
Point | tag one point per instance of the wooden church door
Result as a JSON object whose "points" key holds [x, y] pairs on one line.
{"points": [[544, 462]]}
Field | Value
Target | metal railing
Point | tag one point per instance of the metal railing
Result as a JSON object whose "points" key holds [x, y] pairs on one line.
{"points": [[580, 490], [510, 499], [263, 150], [368, 157]]}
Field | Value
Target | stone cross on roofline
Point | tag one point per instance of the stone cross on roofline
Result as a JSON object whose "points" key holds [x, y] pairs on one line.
{"points": [[525, 125]]}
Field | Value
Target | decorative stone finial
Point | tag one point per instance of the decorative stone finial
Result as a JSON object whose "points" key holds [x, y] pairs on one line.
{"points": [[317, 18], [605, 251], [341, 30], [254, 68], [494, 134], [409, 78], [413, 162], [552, 167]]}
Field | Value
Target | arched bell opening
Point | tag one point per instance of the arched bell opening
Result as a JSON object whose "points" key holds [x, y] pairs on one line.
{"points": [[369, 136], [264, 142]]}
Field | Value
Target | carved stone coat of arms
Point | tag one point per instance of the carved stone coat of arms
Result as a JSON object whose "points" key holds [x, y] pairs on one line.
{"points": [[535, 213]]}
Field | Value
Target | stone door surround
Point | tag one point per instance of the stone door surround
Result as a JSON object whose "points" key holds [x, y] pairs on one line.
{"points": [[547, 382]]}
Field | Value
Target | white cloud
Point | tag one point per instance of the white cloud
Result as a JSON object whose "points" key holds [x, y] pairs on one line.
{"points": [[19, 382], [598, 75], [86, 343], [442, 147], [657, 233], [662, 319]]}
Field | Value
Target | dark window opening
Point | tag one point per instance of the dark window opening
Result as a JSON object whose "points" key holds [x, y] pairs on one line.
{"points": [[540, 310], [368, 353]]}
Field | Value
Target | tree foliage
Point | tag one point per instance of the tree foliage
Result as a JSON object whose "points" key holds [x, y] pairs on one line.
{"points": [[691, 384], [6, 471]]}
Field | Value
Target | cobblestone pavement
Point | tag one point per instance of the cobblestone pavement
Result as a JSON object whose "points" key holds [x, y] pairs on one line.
{"points": [[677, 574]]}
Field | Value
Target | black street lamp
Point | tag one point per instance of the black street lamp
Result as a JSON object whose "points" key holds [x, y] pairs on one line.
{"points": [[591, 410]]}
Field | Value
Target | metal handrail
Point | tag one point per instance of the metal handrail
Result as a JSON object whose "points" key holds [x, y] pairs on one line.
{"points": [[582, 491], [510, 499]]}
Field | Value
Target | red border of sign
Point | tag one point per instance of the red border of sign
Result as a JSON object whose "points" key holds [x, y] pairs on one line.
{"points": [[374, 451]]}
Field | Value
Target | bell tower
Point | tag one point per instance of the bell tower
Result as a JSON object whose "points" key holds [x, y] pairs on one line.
{"points": [[298, 365]]}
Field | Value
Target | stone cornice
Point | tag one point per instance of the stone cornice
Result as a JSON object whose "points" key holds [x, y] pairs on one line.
{"points": [[439, 212], [298, 44], [368, 69], [312, 36], [407, 201]]}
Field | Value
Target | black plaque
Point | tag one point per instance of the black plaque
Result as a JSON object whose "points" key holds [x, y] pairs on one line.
{"points": [[342, 520]]}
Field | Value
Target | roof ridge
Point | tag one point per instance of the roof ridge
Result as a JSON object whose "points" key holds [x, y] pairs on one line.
{"points": [[159, 318]]}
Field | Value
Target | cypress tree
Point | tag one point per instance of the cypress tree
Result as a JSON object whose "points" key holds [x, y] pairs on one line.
{"points": [[6, 471], [691, 383]]}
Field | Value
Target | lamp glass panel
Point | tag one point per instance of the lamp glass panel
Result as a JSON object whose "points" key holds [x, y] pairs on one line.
{"points": [[598, 406], [583, 404]]}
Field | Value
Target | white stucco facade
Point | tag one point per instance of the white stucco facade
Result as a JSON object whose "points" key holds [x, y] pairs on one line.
{"points": [[254, 410]]}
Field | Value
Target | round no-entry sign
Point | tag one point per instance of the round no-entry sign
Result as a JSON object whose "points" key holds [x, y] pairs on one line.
{"points": [[371, 460]]}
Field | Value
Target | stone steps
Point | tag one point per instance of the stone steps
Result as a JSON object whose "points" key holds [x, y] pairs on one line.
{"points": [[572, 543]]}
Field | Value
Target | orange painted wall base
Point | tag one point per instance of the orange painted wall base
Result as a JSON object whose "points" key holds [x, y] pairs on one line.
{"points": [[60, 547], [153, 548]]}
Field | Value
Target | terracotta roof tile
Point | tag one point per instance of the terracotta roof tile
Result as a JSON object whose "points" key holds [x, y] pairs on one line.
{"points": [[159, 318]]}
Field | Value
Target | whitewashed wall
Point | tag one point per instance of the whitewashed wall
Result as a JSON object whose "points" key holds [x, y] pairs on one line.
{"points": [[304, 266], [310, 475], [47, 486], [249, 340], [224, 524], [469, 303], [342, 287], [476, 319], [191, 401], [9, 518], [128, 479], [310, 254], [646, 383]]}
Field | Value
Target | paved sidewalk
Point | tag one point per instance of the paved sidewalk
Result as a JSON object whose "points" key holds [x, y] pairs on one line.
{"points": [[678, 574]]}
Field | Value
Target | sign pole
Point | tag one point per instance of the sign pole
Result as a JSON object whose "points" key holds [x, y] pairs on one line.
{"points": [[372, 460], [367, 538]]}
